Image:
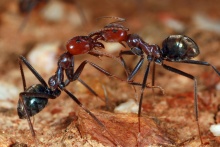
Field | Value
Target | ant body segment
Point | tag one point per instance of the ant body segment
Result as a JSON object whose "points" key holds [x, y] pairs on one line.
{"points": [[175, 48]]}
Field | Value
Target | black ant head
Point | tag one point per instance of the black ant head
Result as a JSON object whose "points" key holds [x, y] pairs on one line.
{"points": [[33, 104]]}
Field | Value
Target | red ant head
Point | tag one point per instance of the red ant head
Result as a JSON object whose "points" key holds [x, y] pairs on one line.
{"points": [[114, 35], [79, 45]]}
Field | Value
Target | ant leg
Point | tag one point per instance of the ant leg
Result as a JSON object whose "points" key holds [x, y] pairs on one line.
{"points": [[27, 113], [196, 111], [82, 65], [130, 75], [89, 88], [98, 54], [90, 113], [148, 86], [153, 74], [153, 77], [28, 118], [142, 91], [216, 114], [129, 52], [23, 59], [200, 63], [137, 67], [36, 74]]}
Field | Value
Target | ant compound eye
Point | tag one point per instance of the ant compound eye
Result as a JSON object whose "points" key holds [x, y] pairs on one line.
{"points": [[114, 31], [78, 41]]}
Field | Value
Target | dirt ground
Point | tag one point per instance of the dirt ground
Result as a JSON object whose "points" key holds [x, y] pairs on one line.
{"points": [[167, 119]]}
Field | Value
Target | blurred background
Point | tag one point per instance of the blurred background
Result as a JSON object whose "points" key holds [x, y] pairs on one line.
{"points": [[39, 30]]}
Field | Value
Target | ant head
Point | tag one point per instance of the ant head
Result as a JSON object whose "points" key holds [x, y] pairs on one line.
{"points": [[34, 104], [114, 34], [79, 45]]}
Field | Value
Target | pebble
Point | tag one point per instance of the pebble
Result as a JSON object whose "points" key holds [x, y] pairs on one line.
{"points": [[206, 23], [215, 129], [128, 107], [8, 91], [54, 11], [43, 56]]}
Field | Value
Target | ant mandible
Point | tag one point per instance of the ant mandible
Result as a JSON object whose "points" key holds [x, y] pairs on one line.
{"points": [[175, 48]]}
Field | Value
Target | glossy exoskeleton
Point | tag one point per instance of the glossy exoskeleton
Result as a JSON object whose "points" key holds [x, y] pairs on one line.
{"points": [[35, 98], [175, 48], [34, 104]]}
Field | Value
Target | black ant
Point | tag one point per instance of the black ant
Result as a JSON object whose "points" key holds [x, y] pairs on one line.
{"points": [[175, 48], [35, 98]]}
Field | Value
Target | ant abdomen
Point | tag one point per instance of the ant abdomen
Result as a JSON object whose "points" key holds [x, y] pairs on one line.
{"points": [[179, 48], [34, 104]]}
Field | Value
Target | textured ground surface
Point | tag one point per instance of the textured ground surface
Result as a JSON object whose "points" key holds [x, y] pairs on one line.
{"points": [[167, 120]]}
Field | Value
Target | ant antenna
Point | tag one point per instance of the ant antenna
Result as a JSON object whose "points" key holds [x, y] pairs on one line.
{"points": [[118, 19]]}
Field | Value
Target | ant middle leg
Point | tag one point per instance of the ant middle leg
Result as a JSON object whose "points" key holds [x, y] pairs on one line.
{"points": [[82, 65], [137, 67]]}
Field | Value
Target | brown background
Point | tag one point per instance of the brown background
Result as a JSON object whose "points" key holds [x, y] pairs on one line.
{"points": [[61, 121]]}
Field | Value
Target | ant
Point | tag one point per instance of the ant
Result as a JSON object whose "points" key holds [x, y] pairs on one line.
{"points": [[35, 98], [175, 48]]}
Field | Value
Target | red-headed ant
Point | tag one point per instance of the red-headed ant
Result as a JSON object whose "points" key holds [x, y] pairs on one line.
{"points": [[175, 48], [35, 98]]}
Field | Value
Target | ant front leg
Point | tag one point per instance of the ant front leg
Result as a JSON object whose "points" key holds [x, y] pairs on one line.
{"points": [[66, 62], [22, 59], [82, 65]]}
